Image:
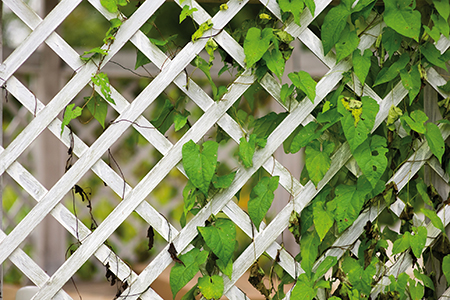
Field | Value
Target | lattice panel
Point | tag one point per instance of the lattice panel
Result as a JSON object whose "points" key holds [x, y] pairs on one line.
{"points": [[172, 71]]}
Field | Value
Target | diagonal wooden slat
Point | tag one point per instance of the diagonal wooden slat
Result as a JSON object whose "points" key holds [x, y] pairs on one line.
{"points": [[214, 113]]}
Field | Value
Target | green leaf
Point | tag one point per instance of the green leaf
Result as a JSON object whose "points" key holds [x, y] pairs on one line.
{"points": [[323, 219], [324, 266], [303, 81], [256, 43], [247, 150], [295, 7], [418, 241], [180, 275], [264, 126], [190, 295], [275, 62], [261, 198], [416, 121], [110, 5], [434, 33], [333, 25], [311, 5], [441, 25], [200, 163], [98, 108], [110, 34], [416, 292], [389, 74], [348, 202], [446, 267], [435, 220], [425, 279], [201, 30], [371, 158], [180, 119], [205, 67], [361, 64], [443, 8], [318, 159], [165, 117], [432, 54], [69, 114], [185, 12], [305, 136], [210, 47], [303, 289], [422, 189], [358, 119], [309, 244], [445, 87], [347, 43], [411, 81], [94, 53], [223, 182], [226, 269], [220, 238], [101, 80], [211, 287], [401, 17], [141, 60], [393, 115], [189, 196], [159, 42], [435, 140], [391, 40], [402, 243], [286, 92]]}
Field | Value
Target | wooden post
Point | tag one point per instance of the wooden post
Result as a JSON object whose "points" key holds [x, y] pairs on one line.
{"points": [[51, 236]]}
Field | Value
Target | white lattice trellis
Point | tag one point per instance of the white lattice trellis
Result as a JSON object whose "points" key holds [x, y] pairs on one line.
{"points": [[48, 201]]}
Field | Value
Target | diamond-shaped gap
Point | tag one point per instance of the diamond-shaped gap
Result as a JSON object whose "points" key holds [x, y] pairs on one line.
{"points": [[257, 282], [166, 32], [132, 156], [45, 158], [167, 198], [90, 25], [15, 31], [91, 201], [211, 77], [90, 282], [130, 71], [172, 113], [130, 241], [17, 203], [15, 118], [96, 115]]}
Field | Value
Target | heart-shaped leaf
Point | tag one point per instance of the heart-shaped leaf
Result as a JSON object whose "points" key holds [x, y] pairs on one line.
{"points": [[256, 44], [200, 163]]}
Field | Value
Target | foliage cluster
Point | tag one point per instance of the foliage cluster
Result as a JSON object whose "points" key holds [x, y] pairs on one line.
{"points": [[403, 52]]}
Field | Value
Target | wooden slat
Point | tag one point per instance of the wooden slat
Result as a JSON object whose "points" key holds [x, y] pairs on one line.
{"points": [[47, 115], [214, 113]]}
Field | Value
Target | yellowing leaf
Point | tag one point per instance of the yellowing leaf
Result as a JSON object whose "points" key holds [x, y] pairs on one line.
{"points": [[211, 287]]}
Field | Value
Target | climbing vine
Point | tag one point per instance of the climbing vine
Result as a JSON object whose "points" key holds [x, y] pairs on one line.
{"points": [[403, 51]]}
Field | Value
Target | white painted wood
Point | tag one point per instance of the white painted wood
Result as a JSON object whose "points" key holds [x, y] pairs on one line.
{"points": [[37, 37], [215, 112]]}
